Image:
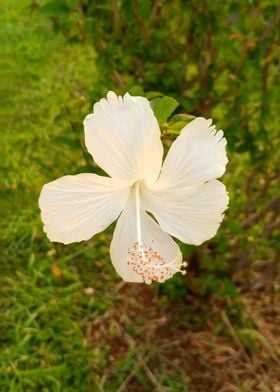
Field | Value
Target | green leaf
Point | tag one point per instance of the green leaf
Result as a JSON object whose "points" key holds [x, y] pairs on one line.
{"points": [[72, 4], [73, 144], [181, 117], [136, 90], [54, 8], [228, 288], [145, 7], [163, 108]]}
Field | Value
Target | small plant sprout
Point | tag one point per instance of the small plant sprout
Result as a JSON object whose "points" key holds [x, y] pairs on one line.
{"points": [[183, 194]]}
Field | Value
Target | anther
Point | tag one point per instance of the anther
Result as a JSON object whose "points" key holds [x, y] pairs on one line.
{"points": [[183, 265]]}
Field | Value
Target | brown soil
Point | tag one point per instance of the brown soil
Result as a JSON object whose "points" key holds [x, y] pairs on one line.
{"points": [[205, 342]]}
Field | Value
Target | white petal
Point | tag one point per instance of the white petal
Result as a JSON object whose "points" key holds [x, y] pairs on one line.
{"points": [[123, 137], [192, 214], [74, 208], [158, 258], [197, 155]]}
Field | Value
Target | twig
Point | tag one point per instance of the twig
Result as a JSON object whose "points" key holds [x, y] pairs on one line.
{"points": [[266, 339], [152, 378], [273, 203], [240, 345], [234, 334], [132, 374]]}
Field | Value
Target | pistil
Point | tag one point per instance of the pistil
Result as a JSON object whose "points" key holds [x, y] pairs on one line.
{"points": [[145, 259], [138, 220]]}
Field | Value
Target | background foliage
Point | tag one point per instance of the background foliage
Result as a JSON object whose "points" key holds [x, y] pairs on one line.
{"points": [[217, 61], [67, 322]]}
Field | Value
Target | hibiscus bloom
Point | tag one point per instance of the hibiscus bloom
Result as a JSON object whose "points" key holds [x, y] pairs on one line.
{"points": [[182, 194]]}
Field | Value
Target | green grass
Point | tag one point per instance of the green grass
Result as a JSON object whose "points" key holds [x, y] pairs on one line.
{"points": [[42, 344], [67, 323]]}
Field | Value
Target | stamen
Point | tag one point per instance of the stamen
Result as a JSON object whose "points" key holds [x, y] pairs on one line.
{"points": [[145, 260]]}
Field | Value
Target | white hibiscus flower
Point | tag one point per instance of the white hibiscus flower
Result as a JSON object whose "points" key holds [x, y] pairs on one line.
{"points": [[123, 136]]}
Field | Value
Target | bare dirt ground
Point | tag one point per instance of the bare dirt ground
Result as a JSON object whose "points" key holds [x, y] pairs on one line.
{"points": [[212, 344]]}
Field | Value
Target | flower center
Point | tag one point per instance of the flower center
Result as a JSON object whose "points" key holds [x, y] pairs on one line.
{"points": [[144, 259]]}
